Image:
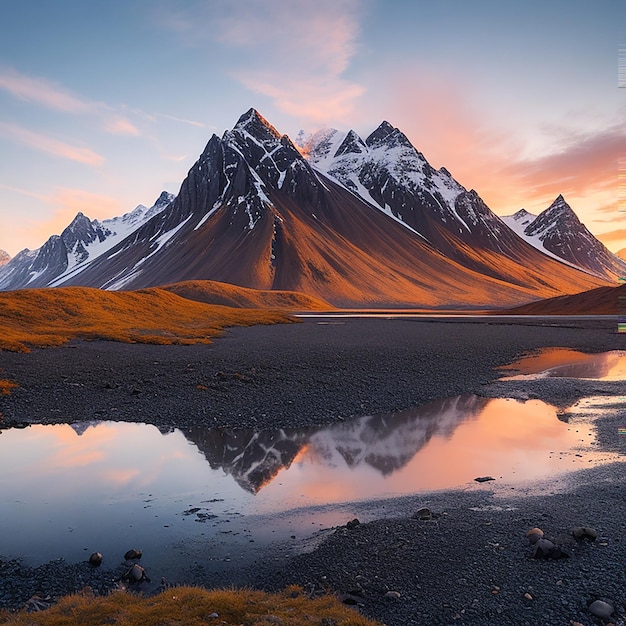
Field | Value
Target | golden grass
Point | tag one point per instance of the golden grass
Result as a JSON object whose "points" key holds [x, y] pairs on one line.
{"points": [[51, 317], [6, 386], [214, 292], [192, 606]]}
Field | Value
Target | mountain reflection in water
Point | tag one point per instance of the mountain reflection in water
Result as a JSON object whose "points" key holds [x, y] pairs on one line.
{"points": [[70, 489], [383, 442]]}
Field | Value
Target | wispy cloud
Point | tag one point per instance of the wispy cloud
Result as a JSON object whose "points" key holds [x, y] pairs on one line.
{"points": [[52, 96], [613, 237], [25, 192], [296, 53], [586, 163], [42, 91], [180, 119], [50, 145], [121, 126]]}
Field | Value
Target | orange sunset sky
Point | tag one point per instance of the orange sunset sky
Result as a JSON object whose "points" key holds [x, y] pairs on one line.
{"points": [[104, 105]]}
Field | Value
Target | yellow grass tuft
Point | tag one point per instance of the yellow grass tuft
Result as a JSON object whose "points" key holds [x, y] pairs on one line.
{"points": [[193, 606], [50, 317], [6, 386]]}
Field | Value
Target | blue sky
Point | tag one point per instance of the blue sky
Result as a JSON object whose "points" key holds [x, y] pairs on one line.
{"points": [[105, 104]]}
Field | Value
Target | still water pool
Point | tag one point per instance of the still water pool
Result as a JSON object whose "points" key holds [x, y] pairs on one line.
{"points": [[69, 490]]}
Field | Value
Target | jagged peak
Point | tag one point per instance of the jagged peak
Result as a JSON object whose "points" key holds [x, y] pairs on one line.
{"points": [[80, 218], [165, 197], [253, 122], [560, 205], [352, 144], [518, 215], [380, 134]]}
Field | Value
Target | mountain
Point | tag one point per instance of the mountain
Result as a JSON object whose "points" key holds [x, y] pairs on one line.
{"points": [[69, 253], [622, 254], [4, 258], [558, 232], [354, 222], [600, 301], [389, 173]]}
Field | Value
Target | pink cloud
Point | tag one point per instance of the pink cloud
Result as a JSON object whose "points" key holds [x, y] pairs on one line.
{"points": [[50, 145], [41, 91], [299, 61], [439, 117], [121, 126]]}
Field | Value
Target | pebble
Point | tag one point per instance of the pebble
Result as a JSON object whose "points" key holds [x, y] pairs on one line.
{"points": [[584, 532], [395, 595], [528, 596], [534, 535], [132, 554], [424, 514], [484, 479], [601, 609], [95, 559], [353, 524]]}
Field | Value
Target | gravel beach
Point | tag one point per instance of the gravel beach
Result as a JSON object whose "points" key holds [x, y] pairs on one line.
{"points": [[468, 562]]}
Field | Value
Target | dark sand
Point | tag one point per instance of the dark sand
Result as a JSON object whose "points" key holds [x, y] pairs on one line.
{"points": [[468, 565]]}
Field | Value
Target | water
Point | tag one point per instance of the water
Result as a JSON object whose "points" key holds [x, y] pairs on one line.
{"points": [[566, 363], [69, 490]]}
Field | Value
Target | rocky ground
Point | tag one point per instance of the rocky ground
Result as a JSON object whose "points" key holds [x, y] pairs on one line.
{"points": [[466, 563]]}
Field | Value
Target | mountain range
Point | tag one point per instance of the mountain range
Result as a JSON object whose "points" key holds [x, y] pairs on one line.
{"points": [[357, 222]]}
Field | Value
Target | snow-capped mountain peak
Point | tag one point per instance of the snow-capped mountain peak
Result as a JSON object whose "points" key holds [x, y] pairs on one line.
{"points": [[80, 243], [559, 233], [5, 257]]}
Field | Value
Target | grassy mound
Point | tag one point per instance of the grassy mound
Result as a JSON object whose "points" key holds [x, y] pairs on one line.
{"points": [[600, 301], [50, 317], [213, 292], [191, 606]]}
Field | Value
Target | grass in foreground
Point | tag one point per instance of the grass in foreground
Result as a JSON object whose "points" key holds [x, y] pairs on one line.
{"points": [[53, 316], [191, 606], [6, 386]]}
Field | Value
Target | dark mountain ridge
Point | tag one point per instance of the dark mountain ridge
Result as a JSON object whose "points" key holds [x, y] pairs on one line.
{"points": [[368, 223]]}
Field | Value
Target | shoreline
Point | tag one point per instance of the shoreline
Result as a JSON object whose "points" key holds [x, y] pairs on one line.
{"points": [[254, 376]]}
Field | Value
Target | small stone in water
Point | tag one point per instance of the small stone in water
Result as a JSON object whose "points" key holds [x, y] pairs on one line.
{"points": [[484, 479], [95, 559], [133, 554]]}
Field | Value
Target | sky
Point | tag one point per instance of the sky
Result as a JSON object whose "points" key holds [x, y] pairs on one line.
{"points": [[104, 104]]}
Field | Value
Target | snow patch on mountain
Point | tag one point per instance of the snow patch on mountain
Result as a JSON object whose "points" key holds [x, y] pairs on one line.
{"points": [[114, 230]]}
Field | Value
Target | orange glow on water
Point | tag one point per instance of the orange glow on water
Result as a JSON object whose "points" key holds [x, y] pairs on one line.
{"points": [[565, 362]]}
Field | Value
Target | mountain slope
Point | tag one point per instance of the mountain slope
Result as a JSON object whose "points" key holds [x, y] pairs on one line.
{"points": [[213, 292], [371, 223], [253, 212], [65, 255], [600, 301], [557, 231]]}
